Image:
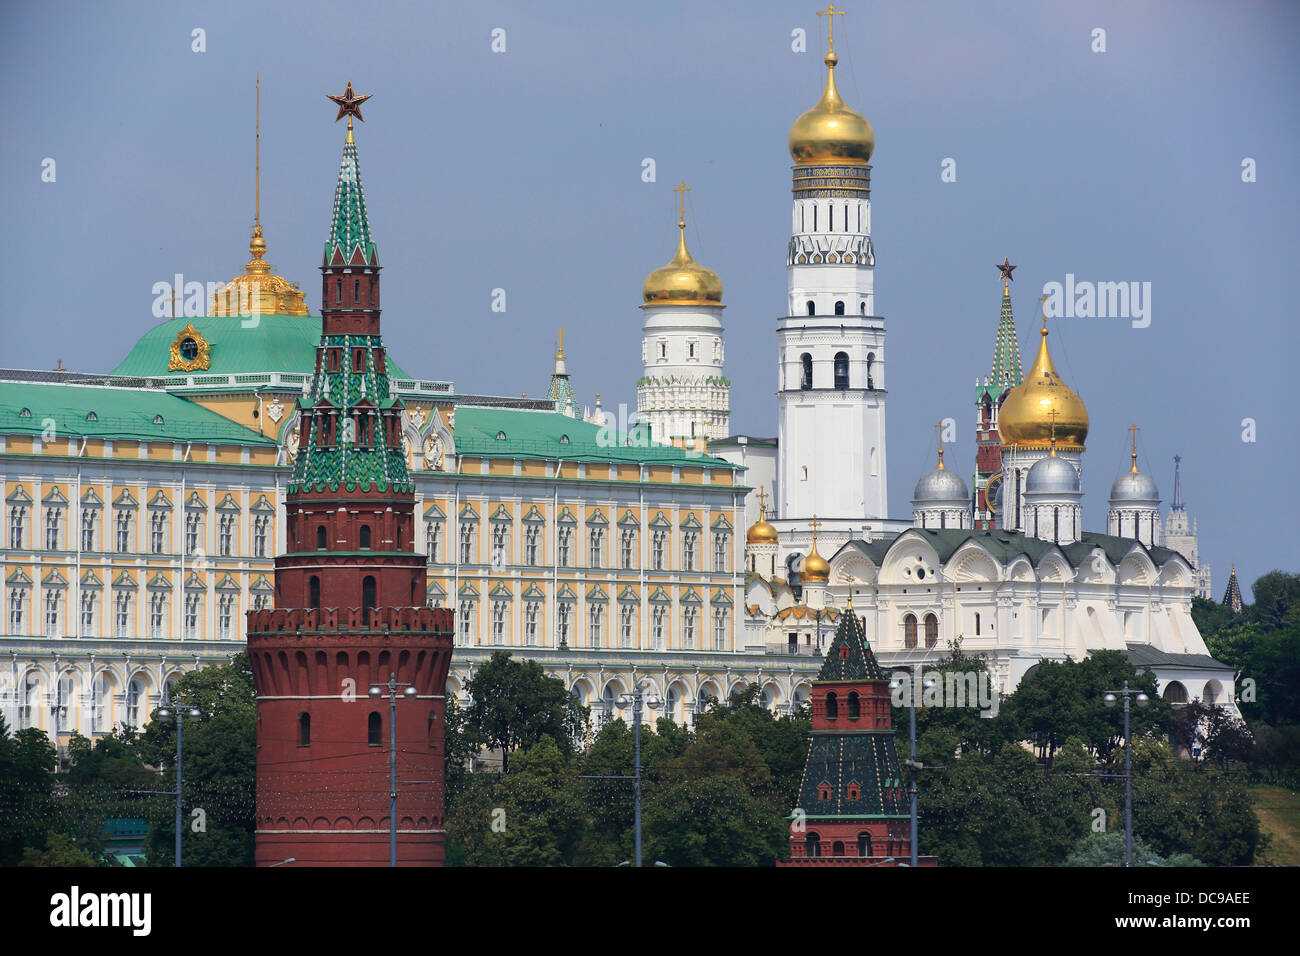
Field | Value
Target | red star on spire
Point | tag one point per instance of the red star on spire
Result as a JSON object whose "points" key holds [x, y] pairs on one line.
{"points": [[349, 103]]}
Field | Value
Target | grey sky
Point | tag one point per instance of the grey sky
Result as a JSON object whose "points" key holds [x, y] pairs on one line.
{"points": [[522, 171]]}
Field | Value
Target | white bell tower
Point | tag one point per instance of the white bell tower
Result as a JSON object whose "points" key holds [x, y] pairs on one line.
{"points": [[831, 374]]}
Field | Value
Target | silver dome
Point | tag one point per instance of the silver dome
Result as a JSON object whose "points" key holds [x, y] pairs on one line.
{"points": [[940, 486], [1052, 475], [1134, 486]]}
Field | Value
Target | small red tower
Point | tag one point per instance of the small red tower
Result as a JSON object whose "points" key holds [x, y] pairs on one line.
{"points": [[852, 808], [349, 598]]}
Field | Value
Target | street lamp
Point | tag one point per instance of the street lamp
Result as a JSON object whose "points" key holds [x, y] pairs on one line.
{"points": [[165, 714], [410, 693], [654, 702], [1109, 699], [913, 765]]}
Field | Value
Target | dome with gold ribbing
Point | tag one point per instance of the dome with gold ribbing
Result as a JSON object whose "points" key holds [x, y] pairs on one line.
{"points": [[683, 281], [831, 133], [1043, 406], [258, 291]]}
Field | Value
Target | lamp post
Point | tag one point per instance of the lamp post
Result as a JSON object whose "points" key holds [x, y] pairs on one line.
{"points": [[913, 765], [410, 693], [1109, 699], [654, 702], [165, 713]]}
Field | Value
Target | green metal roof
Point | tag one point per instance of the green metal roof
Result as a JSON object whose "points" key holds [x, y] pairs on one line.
{"points": [[1144, 655], [269, 343], [539, 434], [118, 413], [849, 657], [1003, 546]]}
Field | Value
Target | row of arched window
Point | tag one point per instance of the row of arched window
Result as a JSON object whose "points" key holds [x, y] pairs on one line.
{"points": [[841, 370], [374, 728], [813, 846]]}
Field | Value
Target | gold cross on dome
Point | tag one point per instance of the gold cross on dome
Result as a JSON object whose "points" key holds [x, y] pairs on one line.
{"points": [[814, 524], [762, 500], [560, 350], [830, 13], [682, 189]]}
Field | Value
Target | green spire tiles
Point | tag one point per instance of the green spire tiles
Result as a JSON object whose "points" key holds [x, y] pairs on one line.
{"points": [[849, 656], [349, 240]]}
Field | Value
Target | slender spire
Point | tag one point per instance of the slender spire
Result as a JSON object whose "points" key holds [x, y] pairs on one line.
{"points": [[1133, 430], [941, 466], [350, 228], [257, 163], [561, 389], [1178, 483], [1006, 371]]}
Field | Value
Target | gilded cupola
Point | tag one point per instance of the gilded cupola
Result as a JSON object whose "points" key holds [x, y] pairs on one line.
{"points": [[683, 281], [1043, 405], [831, 133]]}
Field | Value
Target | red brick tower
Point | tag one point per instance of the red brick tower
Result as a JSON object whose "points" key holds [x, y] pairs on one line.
{"points": [[349, 598], [852, 808]]}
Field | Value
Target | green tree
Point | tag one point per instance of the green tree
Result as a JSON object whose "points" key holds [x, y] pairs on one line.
{"points": [[27, 761], [1107, 849], [60, 850], [715, 821], [220, 758], [516, 704]]}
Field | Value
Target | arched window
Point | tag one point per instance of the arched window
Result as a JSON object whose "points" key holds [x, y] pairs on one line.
{"points": [[1056, 525], [356, 290], [841, 369], [855, 706], [832, 706], [375, 729], [837, 848], [871, 359], [320, 537], [338, 291], [813, 844], [304, 730], [313, 592], [839, 308], [909, 631], [367, 593], [864, 308], [805, 382], [864, 844], [365, 537], [812, 307], [977, 623], [931, 630]]}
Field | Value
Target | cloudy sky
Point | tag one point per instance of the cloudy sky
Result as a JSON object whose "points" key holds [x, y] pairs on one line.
{"points": [[522, 170]]}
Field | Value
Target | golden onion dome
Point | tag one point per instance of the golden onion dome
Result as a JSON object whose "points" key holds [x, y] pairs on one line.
{"points": [[258, 291], [830, 132], [761, 532], [815, 567], [1043, 407], [683, 281]]}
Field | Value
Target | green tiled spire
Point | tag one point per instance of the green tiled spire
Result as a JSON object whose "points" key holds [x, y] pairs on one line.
{"points": [[349, 413], [349, 227], [850, 656], [1006, 372]]}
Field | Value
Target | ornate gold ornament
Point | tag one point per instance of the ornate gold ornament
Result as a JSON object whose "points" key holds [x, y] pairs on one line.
{"points": [[190, 351]]}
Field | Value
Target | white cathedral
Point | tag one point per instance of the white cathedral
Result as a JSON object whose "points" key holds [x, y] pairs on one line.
{"points": [[1032, 586]]}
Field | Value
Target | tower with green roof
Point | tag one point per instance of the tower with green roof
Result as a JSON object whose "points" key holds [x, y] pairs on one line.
{"points": [[989, 395], [350, 608], [852, 808]]}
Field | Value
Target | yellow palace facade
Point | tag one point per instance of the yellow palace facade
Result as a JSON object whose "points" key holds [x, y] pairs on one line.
{"points": [[144, 509]]}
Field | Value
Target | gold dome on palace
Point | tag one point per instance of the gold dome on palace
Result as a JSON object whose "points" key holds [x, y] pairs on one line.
{"points": [[830, 132], [683, 281], [1026, 417], [258, 291]]}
